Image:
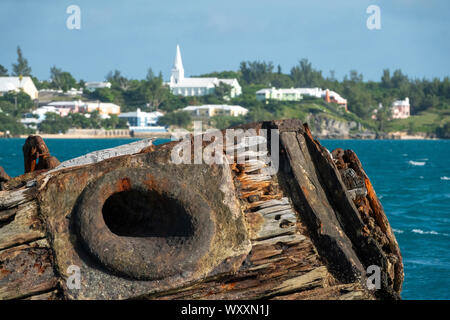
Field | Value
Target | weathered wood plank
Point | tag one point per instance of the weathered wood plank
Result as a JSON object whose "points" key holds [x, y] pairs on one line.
{"points": [[6, 215], [271, 223], [286, 213], [287, 240], [10, 199], [310, 197], [296, 256], [26, 270], [314, 278], [274, 202], [100, 155], [52, 295], [337, 292], [24, 228], [274, 209]]}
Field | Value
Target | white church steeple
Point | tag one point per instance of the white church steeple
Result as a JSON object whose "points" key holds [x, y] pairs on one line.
{"points": [[177, 70]]}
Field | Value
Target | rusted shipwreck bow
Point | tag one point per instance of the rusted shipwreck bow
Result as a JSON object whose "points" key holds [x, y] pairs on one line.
{"points": [[135, 225]]}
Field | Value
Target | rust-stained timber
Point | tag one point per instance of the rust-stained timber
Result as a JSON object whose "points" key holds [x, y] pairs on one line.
{"points": [[24, 227], [306, 231], [26, 270], [10, 199]]}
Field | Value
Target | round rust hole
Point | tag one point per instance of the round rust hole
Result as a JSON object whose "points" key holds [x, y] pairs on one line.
{"points": [[144, 224], [138, 213]]}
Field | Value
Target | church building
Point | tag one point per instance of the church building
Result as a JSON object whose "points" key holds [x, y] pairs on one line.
{"points": [[184, 86]]}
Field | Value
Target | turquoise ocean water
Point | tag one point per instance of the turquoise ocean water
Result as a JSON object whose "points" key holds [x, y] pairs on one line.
{"points": [[411, 178]]}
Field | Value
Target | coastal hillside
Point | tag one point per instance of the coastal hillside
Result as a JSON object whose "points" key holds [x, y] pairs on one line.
{"points": [[396, 106]]}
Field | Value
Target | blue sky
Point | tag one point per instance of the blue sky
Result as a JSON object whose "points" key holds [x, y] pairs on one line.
{"points": [[132, 36]]}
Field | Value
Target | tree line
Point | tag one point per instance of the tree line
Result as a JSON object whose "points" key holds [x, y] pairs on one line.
{"points": [[363, 96]]}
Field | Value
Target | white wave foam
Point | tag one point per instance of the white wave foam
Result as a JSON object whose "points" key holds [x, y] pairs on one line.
{"points": [[445, 178], [416, 163], [397, 230], [419, 231]]}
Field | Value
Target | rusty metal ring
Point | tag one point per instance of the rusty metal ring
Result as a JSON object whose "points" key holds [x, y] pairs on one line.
{"points": [[148, 256]]}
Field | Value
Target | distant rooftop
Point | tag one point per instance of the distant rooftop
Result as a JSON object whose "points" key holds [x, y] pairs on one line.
{"points": [[215, 106], [12, 83]]}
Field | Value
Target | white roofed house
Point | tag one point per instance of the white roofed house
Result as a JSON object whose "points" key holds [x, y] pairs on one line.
{"points": [[311, 92], [140, 121], [17, 84], [34, 118], [73, 92], [211, 110], [282, 94], [92, 86], [288, 94], [197, 86], [297, 94]]}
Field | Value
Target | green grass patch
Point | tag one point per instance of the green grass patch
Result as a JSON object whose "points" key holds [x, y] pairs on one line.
{"points": [[427, 121]]}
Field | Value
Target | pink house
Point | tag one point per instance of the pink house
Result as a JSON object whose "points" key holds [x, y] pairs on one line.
{"points": [[72, 106], [64, 112], [401, 109]]}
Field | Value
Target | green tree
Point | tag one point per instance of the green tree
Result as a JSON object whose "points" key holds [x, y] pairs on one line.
{"points": [[304, 75], [360, 101], [96, 120], [11, 124], [54, 123], [258, 114], [82, 84], [222, 75], [257, 72], [386, 79], [21, 68], [80, 121], [398, 79], [222, 91], [355, 77], [150, 75], [18, 103], [443, 131], [6, 107], [3, 71], [384, 114], [223, 122], [61, 79], [173, 103], [114, 122], [41, 84], [154, 91], [177, 118], [280, 80], [118, 80], [102, 94]]}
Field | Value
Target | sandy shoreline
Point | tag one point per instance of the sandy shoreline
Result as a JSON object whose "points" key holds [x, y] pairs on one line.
{"points": [[123, 134], [168, 136], [163, 135]]}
